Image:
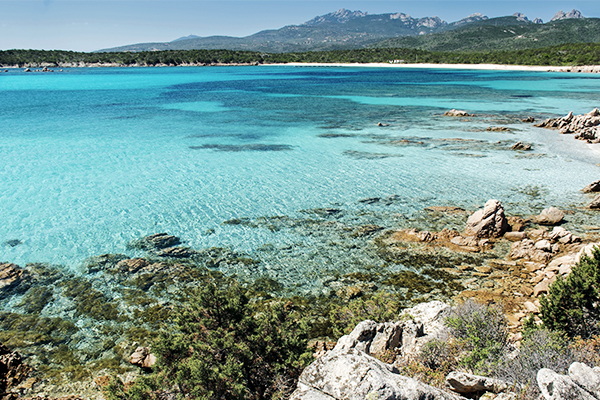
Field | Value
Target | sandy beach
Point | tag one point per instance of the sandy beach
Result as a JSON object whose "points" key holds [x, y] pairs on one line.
{"points": [[490, 67]]}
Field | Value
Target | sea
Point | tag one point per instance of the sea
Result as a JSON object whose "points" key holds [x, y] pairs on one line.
{"points": [[95, 158]]}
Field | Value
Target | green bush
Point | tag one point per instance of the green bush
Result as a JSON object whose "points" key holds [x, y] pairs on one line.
{"points": [[572, 305], [483, 331], [221, 349]]}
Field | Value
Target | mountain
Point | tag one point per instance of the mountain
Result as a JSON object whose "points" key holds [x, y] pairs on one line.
{"points": [[573, 14], [342, 29], [345, 29], [504, 33]]}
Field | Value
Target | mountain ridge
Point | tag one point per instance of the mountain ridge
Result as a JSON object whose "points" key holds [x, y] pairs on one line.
{"points": [[338, 30]]}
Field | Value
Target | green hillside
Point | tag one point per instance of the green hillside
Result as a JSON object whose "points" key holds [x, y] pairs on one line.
{"points": [[503, 34]]}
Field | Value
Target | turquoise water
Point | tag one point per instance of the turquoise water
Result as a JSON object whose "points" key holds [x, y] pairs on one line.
{"points": [[95, 158]]}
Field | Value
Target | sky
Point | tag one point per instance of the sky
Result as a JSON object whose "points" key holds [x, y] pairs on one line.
{"points": [[88, 25]]}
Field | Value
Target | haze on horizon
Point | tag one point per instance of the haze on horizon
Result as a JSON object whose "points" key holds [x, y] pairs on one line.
{"points": [[88, 25]]}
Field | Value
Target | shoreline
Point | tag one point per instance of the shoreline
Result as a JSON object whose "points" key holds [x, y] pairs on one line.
{"points": [[483, 67]]}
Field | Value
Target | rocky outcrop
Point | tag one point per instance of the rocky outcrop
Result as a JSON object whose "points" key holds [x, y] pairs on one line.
{"points": [[549, 216], [595, 204], [498, 129], [488, 222], [350, 374], [462, 382], [573, 14], [592, 187], [417, 326], [457, 113], [585, 126], [142, 357], [12, 371]]}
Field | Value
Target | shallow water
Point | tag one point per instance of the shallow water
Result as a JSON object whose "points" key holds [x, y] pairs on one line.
{"points": [[95, 158]]}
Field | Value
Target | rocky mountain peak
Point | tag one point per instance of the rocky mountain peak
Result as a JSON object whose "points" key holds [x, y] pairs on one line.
{"points": [[538, 21], [520, 17], [573, 14], [340, 16], [431, 22], [471, 18]]}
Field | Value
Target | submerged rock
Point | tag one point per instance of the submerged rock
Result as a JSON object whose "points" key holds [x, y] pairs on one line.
{"points": [[12, 371], [457, 113], [489, 222], [498, 129], [156, 241], [13, 242]]}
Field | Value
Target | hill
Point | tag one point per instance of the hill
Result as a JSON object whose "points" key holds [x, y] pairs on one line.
{"points": [[505, 33]]}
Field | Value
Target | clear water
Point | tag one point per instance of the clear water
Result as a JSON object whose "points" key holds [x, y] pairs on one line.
{"points": [[95, 158]]}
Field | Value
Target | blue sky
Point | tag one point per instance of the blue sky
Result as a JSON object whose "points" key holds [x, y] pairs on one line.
{"points": [[87, 25]]}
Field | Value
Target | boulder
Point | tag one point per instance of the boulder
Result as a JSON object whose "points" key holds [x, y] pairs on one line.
{"points": [[560, 387], [525, 249], [543, 245], [586, 377], [458, 113], [142, 357], [595, 204], [462, 382], [498, 129], [549, 216], [592, 187], [350, 374], [587, 250], [515, 236], [487, 222], [520, 146]]}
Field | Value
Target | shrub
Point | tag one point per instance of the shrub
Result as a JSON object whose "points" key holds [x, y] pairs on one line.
{"points": [[483, 331], [539, 349], [572, 305], [220, 349]]}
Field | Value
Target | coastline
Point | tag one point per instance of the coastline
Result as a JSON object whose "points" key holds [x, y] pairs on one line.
{"points": [[484, 67]]}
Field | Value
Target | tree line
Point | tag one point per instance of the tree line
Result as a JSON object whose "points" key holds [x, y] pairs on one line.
{"points": [[561, 55]]}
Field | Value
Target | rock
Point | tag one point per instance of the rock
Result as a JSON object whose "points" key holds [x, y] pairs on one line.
{"points": [[11, 275], [560, 387], [585, 127], [543, 245], [595, 204], [462, 382], [458, 113], [515, 236], [417, 326], [521, 146], [132, 265], [525, 249], [592, 187], [177, 252], [586, 377], [370, 200], [12, 369], [543, 286], [156, 241], [142, 357], [353, 375], [550, 216], [13, 242], [528, 120], [445, 209], [371, 337], [587, 250], [366, 230], [487, 222], [497, 129]]}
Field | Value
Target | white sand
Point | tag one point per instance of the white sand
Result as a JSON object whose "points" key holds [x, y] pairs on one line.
{"points": [[440, 66]]}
